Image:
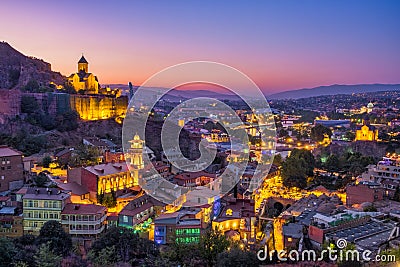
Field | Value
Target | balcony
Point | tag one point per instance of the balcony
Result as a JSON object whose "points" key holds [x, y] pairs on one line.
{"points": [[85, 222], [86, 231]]}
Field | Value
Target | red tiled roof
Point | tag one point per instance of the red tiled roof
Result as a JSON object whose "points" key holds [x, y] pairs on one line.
{"points": [[132, 212], [74, 187], [107, 169], [4, 198], [83, 209], [22, 191]]}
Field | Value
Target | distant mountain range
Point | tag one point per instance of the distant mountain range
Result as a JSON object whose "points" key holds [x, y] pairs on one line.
{"points": [[335, 89], [176, 95]]}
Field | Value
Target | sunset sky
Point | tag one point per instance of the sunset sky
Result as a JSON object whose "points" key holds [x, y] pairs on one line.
{"points": [[281, 45]]}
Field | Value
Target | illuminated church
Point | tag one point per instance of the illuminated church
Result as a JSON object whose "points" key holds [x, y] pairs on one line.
{"points": [[366, 132], [83, 79]]}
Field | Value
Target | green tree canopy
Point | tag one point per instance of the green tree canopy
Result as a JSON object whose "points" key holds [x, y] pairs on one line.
{"points": [[318, 132], [40, 180], [53, 234], [46, 161], [46, 257], [237, 257], [7, 252], [129, 246], [297, 167], [212, 242]]}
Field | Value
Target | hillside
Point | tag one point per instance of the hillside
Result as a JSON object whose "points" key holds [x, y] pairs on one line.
{"points": [[16, 69], [334, 90]]}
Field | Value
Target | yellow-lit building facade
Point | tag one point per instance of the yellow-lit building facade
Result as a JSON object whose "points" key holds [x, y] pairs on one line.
{"points": [[92, 101], [41, 205], [83, 80], [366, 133], [98, 107]]}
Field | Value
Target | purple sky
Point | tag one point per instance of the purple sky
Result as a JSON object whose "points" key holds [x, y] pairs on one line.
{"points": [[279, 44]]}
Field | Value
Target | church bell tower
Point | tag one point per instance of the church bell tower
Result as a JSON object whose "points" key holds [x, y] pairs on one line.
{"points": [[83, 65]]}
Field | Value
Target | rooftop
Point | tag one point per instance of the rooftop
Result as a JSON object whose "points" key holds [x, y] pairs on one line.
{"points": [[83, 209], [74, 187], [46, 194], [107, 168], [6, 151], [293, 230], [82, 60], [8, 210]]}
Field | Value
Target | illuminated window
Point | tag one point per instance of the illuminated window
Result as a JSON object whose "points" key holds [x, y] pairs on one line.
{"points": [[228, 212], [289, 239]]}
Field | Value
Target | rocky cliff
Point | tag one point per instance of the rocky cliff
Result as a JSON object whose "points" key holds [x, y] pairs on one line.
{"points": [[16, 69]]}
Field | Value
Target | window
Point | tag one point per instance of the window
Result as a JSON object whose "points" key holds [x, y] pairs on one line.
{"points": [[229, 212], [125, 218]]}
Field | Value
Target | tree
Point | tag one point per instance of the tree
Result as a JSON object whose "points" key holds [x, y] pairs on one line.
{"points": [[396, 196], [350, 136], [332, 164], [109, 200], [297, 167], [307, 156], [67, 121], [46, 161], [318, 132], [294, 173], [237, 257], [40, 180], [26, 249], [277, 160], [106, 257], [46, 257], [31, 86], [69, 89], [29, 104], [129, 247], [211, 243], [53, 234], [7, 252], [283, 133]]}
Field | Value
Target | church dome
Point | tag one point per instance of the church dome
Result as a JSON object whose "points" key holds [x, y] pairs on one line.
{"points": [[370, 105], [136, 137]]}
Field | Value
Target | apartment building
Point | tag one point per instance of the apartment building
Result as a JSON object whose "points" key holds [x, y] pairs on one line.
{"points": [[41, 205], [84, 220]]}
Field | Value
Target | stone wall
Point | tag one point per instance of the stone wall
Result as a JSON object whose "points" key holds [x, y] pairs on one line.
{"points": [[97, 107], [10, 103]]}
